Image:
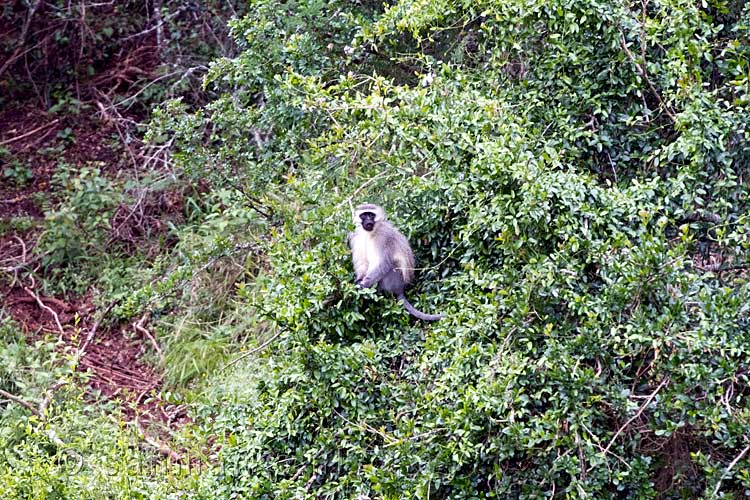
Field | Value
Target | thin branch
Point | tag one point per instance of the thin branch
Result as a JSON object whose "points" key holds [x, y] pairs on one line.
{"points": [[642, 71], [721, 268], [145, 87], [92, 331], [253, 351], [16, 267], [381, 175], [19, 401], [729, 467], [638, 414], [187, 74], [254, 202], [46, 308], [42, 411], [700, 216], [19, 52], [123, 139], [23, 249], [31, 132], [140, 326], [389, 440], [163, 448], [159, 26], [314, 477]]}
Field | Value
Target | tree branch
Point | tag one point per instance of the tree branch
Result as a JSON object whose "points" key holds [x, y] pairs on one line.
{"points": [[641, 68], [638, 414], [19, 401]]}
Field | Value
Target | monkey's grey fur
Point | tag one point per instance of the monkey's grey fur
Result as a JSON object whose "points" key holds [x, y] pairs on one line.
{"points": [[382, 256]]}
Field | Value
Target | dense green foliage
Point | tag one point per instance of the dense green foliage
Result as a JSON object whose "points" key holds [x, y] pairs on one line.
{"points": [[573, 178], [555, 164]]}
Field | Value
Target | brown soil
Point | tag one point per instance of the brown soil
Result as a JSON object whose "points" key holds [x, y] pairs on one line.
{"points": [[31, 139], [116, 357], [87, 131]]}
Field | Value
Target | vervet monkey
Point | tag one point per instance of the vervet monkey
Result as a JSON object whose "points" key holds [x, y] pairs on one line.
{"points": [[382, 256]]}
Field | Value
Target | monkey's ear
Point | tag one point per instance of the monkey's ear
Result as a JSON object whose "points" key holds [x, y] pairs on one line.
{"points": [[380, 215]]}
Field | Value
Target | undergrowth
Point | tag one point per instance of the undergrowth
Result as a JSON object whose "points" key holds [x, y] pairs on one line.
{"points": [[572, 177]]}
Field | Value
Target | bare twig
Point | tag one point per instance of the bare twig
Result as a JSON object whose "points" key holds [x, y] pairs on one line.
{"points": [[187, 74], [124, 140], [140, 326], [721, 268], [314, 477], [30, 132], [16, 265], [729, 467], [702, 216], [348, 200], [159, 150], [253, 351], [92, 331], [254, 202], [159, 26], [42, 411], [638, 414], [136, 208], [641, 68], [23, 249], [163, 448], [144, 88], [46, 308], [22, 39], [19, 401], [389, 440], [15, 199]]}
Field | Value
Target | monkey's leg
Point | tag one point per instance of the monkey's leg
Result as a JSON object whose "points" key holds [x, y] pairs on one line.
{"points": [[392, 282]]}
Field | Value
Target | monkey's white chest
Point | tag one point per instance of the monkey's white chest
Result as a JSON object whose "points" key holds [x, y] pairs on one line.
{"points": [[373, 254], [365, 253]]}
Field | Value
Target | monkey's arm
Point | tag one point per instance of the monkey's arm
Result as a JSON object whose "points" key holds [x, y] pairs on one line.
{"points": [[375, 275]]}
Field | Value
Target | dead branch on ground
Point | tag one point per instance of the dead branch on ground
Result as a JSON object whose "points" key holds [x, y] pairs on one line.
{"points": [[92, 330], [27, 134], [48, 309], [139, 326]]}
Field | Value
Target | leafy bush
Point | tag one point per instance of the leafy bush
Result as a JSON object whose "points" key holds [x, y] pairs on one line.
{"points": [[571, 177], [76, 230], [13, 170]]}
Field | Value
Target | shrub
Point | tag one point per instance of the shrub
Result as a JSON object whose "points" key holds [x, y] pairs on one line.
{"points": [[571, 177]]}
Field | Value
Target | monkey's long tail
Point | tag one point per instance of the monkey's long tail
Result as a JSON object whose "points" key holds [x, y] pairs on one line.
{"points": [[417, 313]]}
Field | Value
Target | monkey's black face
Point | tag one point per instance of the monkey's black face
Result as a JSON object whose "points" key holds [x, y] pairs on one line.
{"points": [[368, 220]]}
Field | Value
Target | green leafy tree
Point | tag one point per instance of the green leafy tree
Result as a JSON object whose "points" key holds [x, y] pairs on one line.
{"points": [[572, 177]]}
